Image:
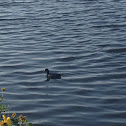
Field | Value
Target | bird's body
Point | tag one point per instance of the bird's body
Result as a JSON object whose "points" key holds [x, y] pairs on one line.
{"points": [[52, 75]]}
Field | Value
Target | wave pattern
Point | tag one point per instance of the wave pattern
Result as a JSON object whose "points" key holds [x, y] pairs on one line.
{"points": [[83, 40]]}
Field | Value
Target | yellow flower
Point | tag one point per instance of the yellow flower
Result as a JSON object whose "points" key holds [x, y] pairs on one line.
{"points": [[14, 115], [2, 89], [6, 121]]}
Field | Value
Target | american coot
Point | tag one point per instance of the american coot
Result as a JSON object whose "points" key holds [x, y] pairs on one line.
{"points": [[52, 75]]}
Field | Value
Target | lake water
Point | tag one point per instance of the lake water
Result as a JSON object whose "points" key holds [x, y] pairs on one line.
{"points": [[85, 40]]}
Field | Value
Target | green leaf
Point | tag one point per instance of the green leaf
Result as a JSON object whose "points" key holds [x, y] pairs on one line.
{"points": [[2, 98], [15, 121], [25, 121], [3, 108], [29, 124]]}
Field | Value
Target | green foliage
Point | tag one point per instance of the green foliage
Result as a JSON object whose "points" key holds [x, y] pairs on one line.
{"points": [[15, 121], [21, 120], [3, 108], [29, 124], [2, 97]]}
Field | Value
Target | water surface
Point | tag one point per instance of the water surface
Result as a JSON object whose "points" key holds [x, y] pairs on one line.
{"points": [[85, 41]]}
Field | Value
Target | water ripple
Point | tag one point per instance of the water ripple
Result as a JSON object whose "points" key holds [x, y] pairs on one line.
{"points": [[82, 40]]}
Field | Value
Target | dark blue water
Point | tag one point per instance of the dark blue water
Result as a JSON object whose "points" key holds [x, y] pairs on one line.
{"points": [[85, 40]]}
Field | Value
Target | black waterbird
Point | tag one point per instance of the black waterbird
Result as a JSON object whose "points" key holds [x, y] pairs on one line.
{"points": [[52, 75]]}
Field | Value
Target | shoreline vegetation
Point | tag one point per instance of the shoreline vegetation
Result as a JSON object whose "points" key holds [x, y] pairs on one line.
{"points": [[12, 120]]}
